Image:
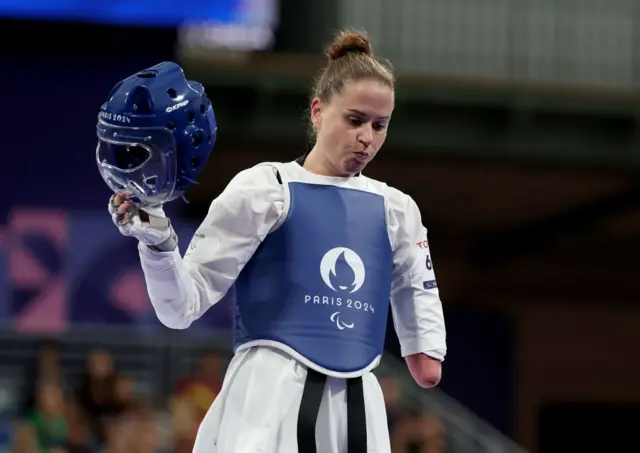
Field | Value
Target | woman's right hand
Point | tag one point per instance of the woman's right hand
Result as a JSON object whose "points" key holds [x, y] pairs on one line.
{"points": [[148, 224]]}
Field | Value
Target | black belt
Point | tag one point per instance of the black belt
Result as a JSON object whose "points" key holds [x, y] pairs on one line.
{"points": [[310, 407]]}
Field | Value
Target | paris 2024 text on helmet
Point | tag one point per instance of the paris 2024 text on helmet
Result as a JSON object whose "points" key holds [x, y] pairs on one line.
{"points": [[155, 133]]}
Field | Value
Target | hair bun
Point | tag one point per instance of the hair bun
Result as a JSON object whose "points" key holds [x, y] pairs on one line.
{"points": [[349, 42]]}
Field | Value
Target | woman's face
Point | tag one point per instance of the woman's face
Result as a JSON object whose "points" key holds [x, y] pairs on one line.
{"points": [[352, 126]]}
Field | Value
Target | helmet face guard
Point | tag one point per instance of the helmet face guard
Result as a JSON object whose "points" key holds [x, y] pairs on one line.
{"points": [[140, 160], [155, 133]]}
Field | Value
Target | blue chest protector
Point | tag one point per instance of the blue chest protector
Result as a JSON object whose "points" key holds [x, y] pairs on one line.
{"points": [[320, 283]]}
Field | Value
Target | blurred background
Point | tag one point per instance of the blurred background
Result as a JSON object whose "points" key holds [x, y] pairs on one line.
{"points": [[516, 130]]}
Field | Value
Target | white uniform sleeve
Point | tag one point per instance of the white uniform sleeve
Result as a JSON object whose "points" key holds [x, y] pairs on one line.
{"points": [[181, 290], [415, 301]]}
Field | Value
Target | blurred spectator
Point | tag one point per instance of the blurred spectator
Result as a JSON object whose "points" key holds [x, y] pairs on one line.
{"points": [[418, 433], [146, 437], [123, 396], [24, 439], [193, 395], [184, 422], [48, 418], [116, 437], [79, 438], [46, 367], [411, 430], [391, 393], [201, 388], [136, 432], [96, 395]]}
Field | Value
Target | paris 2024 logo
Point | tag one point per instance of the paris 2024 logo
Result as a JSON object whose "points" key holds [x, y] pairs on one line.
{"points": [[343, 273]]}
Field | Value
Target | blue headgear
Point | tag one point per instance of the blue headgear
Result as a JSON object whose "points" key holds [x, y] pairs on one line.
{"points": [[155, 133]]}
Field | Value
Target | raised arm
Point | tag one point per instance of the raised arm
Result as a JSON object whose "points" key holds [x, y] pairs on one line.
{"points": [[182, 289]]}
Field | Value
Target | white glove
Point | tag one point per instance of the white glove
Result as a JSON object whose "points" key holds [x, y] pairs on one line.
{"points": [[148, 224]]}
